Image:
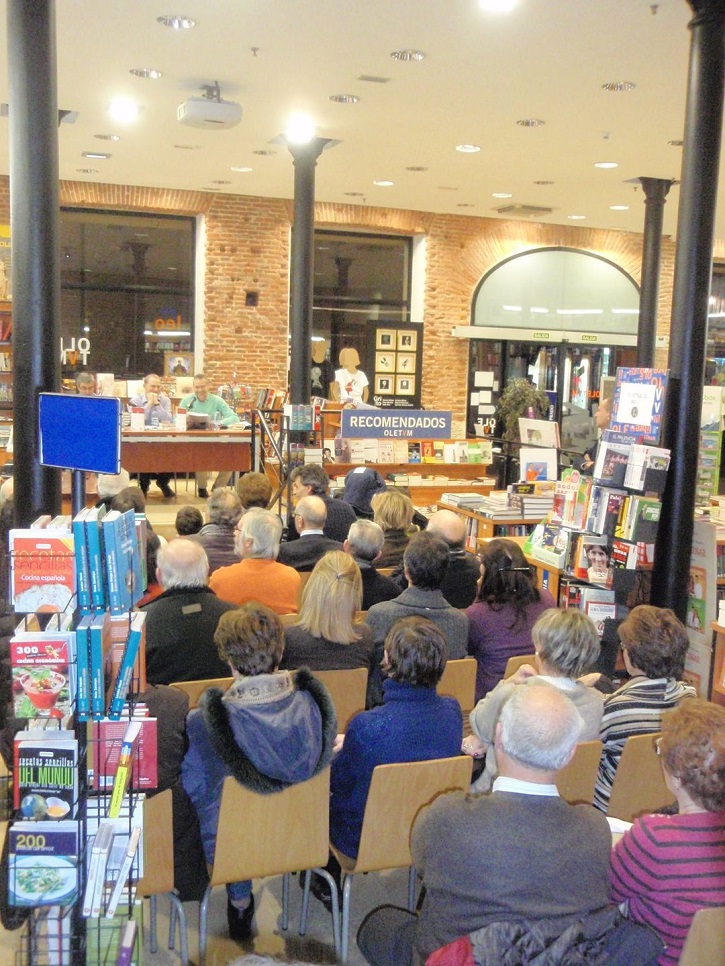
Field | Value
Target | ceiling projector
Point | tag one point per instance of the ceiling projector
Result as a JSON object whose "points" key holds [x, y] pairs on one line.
{"points": [[209, 111]]}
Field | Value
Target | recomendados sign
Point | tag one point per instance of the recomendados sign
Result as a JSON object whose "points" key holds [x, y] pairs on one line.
{"points": [[392, 423]]}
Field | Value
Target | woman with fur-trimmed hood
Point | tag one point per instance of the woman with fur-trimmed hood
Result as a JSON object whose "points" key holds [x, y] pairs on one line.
{"points": [[267, 731]]}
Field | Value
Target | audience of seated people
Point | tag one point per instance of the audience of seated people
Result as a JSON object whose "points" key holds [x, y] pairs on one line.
{"points": [[267, 731], [189, 520], [364, 543], [509, 874], [566, 645], [654, 644], [312, 480], [180, 623], [667, 867], [507, 606], [393, 512], [361, 485], [217, 536], [254, 489], [257, 575], [325, 634], [311, 544]]}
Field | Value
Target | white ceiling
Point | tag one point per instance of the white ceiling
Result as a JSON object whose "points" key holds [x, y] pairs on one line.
{"points": [[548, 59]]}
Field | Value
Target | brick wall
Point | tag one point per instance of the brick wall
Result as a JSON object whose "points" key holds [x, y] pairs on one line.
{"points": [[248, 250]]}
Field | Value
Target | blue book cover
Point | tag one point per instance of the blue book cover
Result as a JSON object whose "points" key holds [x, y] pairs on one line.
{"points": [[639, 403], [125, 671], [94, 543], [122, 560], [43, 863], [83, 574], [98, 694], [83, 686]]}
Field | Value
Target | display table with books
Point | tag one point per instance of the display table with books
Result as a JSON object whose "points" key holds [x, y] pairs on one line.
{"points": [[185, 451]]}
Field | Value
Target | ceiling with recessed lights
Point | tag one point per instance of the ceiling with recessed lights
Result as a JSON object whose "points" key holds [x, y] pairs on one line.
{"points": [[547, 92]]}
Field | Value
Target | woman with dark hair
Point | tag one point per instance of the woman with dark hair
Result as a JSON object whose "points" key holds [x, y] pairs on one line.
{"points": [[666, 867], [507, 606], [654, 643]]}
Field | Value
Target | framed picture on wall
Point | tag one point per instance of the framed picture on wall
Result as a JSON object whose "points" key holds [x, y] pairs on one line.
{"points": [[385, 362], [407, 340], [385, 339], [404, 385], [405, 363], [178, 364], [384, 384]]}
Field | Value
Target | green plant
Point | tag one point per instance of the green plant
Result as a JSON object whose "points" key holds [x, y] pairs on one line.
{"points": [[518, 399]]}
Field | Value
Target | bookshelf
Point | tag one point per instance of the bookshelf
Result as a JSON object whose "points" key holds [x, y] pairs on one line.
{"points": [[718, 676]]}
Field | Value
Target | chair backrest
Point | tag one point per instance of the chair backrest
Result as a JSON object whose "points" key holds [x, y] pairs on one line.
{"points": [[514, 663], [397, 794], [288, 619], [386, 571], [639, 784], [705, 943], [459, 682], [576, 780], [304, 577], [348, 689], [158, 846], [282, 832], [195, 689]]}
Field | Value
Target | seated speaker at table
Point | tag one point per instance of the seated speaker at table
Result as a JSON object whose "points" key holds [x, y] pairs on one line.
{"points": [[203, 401]]}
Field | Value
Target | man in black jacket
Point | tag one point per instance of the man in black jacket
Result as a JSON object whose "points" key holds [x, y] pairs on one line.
{"points": [[303, 553], [312, 480], [181, 622], [364, 544]]}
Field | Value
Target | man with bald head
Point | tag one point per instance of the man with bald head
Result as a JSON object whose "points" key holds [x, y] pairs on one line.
{"points": [[461, 579], [309, 519], [518, 867], [181, 621]]}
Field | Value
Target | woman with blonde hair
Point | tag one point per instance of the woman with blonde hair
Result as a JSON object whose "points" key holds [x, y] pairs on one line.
{"points": [[392, 511], [325, 635]]}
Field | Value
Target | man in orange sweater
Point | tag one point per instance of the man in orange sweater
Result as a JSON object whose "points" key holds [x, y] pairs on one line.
{"points": [[258, 576]]}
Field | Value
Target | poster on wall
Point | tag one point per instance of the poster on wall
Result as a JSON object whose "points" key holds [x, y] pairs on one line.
{"points": [[395, 353], [701, 605]]}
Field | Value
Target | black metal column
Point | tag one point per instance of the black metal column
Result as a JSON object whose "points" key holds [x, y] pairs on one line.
{"points": [[655, 193], [34, 220], [301, 276], [693, 268]]}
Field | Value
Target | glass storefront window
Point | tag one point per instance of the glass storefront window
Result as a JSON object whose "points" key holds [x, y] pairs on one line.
{"points": [[127, 287]]}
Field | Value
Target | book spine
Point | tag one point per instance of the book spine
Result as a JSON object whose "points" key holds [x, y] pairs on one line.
{"points": [[96, 670], [83, 577], [126, 944], [111, 552], [125, 672], [95, 563], [83, 697], [123, 873]]}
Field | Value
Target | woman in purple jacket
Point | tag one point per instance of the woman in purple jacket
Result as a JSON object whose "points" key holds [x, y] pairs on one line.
{"points": [[507, 606]]}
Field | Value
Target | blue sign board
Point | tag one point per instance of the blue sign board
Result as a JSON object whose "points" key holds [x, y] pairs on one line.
{"points": [[80, 432], [395, 424]]}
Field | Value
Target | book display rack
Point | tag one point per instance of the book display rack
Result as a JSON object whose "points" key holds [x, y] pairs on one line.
{"points": [[88, 752]]}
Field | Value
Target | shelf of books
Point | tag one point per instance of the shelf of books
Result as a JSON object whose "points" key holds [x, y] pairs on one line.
{"points": [[87, 754]]}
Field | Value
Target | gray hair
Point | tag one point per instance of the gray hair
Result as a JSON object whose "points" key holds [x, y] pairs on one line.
{"points": [[365, 539], [224, 507], [539, 726], [566, 640], [264, 529], [313, 511], [182, 563]]}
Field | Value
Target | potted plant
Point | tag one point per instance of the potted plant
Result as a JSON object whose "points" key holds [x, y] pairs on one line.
{"points": [[520, 398]]}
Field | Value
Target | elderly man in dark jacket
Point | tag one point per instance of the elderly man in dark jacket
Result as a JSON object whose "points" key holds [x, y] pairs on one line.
{"points": [[224, 511], [180, 622]]}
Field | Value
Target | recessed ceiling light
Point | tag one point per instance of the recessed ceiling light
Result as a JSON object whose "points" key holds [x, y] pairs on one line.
{"points": [[447, 187], [241, 169], [531, 122], [468, 148], [676, 144], [576, 217], [187, 147], [344, 98], [618, 87], [220, 181], [416, 167], [502, 194], [353, 194], [148, 72], [264, 153], [619, 207], [497, 6], [464, 204], [384, 184], [408, 55], [171, 268], [123, 110], [176, 21], [87, 170], [606, 164], [544, 182], [95, 155], [107, 137]]}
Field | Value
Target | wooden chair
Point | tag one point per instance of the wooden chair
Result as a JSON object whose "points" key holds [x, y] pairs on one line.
{"points": [[459, 682], [386, 571], [348, 689], [288, 619], [283, 832], [397, 794], [705, 943], [576, 780], [158, 868], [514, 663], [195, 689], [304, 577], [639, 784]]}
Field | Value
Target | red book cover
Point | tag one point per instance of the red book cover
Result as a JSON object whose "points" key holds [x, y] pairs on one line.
{"points": [[105, 745], [42, 570], [42, 685]]}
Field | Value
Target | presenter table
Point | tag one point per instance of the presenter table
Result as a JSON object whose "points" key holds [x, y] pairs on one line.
{"points": [[177, 451]]}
